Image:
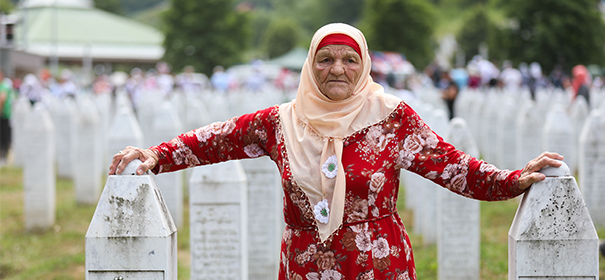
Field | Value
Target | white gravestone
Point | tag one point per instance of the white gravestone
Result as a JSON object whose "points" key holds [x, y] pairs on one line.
{"points": [[39, 169], [166, 125], [426, 213], [458, 236], [237, 100], [196, 117], [475, 119], [197, 114], [591, 160], [150, 104], [179, 102], [578, 111], [218, 224], [264, 217], [124, 131], [218, 106], [122, 101], [411, 181], [65, 114], [490, 129], [552, 235], [21, 108], [558, 136], [463, 103], [131, 234], [87, 158], [103, 103], [507, 130], [529, 125]]}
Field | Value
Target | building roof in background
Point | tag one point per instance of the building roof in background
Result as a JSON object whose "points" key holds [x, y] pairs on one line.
{"points": [[82, 31], [57, 3], [294, 59]]}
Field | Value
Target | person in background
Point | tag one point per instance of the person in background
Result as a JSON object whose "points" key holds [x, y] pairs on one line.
{"points": [[102, 85], [220, 79], [536, 80], [511, 78], [31, 88], [67, 87], [7, 95], [191, 82], [474, 79], [164, 80], [340, 147], [256, 81], [580, 82], [557, 76], [449, 94], [460, 76]]}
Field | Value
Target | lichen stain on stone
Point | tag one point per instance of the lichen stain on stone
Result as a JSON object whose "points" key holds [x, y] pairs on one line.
{"points": [[127, 216], [557, 216], [124, 244]]}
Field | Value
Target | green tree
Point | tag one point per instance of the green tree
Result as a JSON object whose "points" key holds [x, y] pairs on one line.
{"points": [[475, 30], [347, 11], [112, 6], [6, 6], [404, 26], [133, 6], [554, 32], [281, 36], [205, 33]]}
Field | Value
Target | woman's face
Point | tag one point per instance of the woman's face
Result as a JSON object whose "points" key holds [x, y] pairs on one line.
{"points": [[337, 69]]}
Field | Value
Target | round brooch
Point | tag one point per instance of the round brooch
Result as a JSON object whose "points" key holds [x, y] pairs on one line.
{"points": [[330, 167], [322, 212]]}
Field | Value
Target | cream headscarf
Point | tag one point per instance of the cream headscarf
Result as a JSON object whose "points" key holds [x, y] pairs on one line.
{"points": [[314, 127]]}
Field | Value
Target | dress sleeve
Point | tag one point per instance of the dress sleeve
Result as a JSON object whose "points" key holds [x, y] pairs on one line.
{"points": [[424, 152], [247, 136]]}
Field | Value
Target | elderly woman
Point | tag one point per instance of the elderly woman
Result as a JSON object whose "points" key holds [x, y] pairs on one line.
{"points": [[339, 147]]}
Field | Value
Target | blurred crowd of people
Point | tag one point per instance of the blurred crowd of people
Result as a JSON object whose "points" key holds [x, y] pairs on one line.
{"points": [[401, 80], [254, 77], [480, 73]]}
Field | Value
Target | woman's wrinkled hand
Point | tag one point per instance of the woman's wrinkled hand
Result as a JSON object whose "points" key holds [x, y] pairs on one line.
{"points": [[122, 158], [530, 174]]}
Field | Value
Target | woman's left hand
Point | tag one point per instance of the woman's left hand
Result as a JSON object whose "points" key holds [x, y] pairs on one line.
{"points": [[530, 174]]}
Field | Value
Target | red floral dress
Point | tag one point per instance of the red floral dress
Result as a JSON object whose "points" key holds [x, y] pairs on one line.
{"points": [[372, 242]]}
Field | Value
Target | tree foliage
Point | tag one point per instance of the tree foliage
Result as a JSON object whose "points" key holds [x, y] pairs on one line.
{"points": [[204, 33], [6, 6], [133, 6], [475, 30], [347, 11], [404, 26], [554, 32], [112, 6], [281, 36]]}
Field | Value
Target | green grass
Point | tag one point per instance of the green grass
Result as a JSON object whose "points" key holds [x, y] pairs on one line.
{"points": [[496, 218], [58, 253]]}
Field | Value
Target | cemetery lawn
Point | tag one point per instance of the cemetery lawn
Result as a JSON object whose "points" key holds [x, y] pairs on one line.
{"points": [[58, 253]]}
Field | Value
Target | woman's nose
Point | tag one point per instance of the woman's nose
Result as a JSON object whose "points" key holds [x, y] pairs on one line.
{"points": [[337, 68]]}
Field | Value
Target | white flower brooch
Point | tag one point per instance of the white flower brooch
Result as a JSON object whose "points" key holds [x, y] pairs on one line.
{"points": [[322, 212], [330, 167]]}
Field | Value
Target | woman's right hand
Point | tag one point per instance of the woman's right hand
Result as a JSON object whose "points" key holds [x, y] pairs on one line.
{"points": [[122, 158]]}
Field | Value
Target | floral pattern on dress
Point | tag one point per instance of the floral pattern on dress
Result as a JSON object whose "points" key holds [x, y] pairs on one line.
{"points": [[216, 128], [254, 150], [183, 155], [372, 242]]}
